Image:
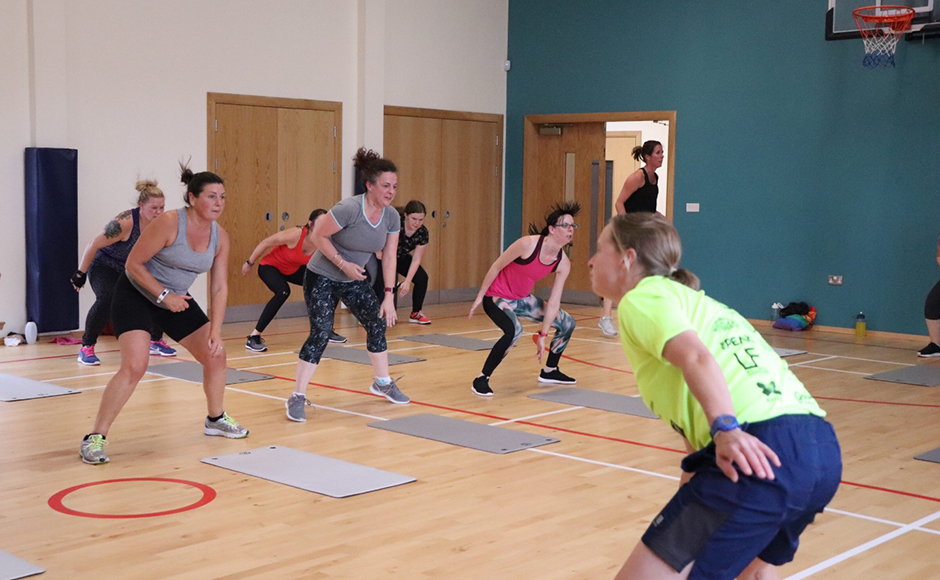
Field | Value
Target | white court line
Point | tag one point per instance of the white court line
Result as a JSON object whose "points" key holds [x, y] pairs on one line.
{"points": [[536, 416], [324, 407], [78, 377], [879, 520], [887, 362], [815, 360], [862, 548], [835, 370], [605, 464], [138, 382]]}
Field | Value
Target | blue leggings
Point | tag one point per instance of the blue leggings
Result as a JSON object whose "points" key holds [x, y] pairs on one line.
{"points": [[506, 313], [322, 296]]}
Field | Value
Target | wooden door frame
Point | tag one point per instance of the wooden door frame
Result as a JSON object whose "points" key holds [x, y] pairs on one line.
{"points": [[213, 99], [532, 123]]}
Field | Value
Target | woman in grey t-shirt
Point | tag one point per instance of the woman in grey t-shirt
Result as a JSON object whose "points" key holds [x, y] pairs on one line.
{"points": [[345, 239]]}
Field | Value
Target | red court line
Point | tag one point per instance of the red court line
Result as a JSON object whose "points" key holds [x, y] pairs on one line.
{"points": [[72, 355], [895, 491]]}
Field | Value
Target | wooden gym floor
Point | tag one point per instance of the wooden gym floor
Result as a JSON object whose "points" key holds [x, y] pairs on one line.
{"points": [[570, 510]]}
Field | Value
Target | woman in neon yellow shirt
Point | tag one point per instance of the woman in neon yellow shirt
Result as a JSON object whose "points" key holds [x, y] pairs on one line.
{"points": [[763, 461]]}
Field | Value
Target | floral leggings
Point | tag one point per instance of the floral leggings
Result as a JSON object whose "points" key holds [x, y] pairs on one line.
{"points": [[506, 313], [322, 295]]}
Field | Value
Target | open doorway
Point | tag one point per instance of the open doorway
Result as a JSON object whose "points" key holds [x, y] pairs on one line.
{"points": [[565, 158]]}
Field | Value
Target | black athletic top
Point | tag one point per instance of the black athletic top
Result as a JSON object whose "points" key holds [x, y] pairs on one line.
{"points": [[643, 199], [115, 255]]}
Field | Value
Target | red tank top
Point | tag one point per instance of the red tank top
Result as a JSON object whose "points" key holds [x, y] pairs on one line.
{"points": [[288, 260], [516, 280]]}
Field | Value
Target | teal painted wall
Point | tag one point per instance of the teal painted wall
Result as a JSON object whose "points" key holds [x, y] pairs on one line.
{"points": [[771, 139]]}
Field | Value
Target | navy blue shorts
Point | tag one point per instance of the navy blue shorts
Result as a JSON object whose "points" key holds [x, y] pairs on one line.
{"points": [[723, 526]]}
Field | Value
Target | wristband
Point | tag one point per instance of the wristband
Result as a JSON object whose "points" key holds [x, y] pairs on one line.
{"points": [[389, 289], [543, 333], [248, 261], [724, 423], [164, 294]]}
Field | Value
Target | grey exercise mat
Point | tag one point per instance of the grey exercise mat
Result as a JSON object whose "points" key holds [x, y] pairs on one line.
{"points": [[357, 355], [597, 400], [933, 455], [787, 351], [460, 342], [920, 375], [14, 388], [464, 433], [192, 371], [12, 567], [316, 473]]}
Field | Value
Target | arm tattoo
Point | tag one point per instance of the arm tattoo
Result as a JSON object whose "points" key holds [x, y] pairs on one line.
{"points": [[126, 214], [113, 229]]}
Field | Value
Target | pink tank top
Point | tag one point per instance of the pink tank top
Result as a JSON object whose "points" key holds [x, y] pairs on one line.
{"points": [[516, 280], [288, 260]]}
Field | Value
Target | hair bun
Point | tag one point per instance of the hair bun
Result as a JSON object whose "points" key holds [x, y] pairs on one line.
{"points": [[145, 185]]}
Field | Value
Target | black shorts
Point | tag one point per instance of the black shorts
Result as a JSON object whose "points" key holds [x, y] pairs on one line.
{"points": [[130, 310]]}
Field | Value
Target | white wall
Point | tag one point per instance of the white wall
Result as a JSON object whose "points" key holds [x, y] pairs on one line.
{"points": [[125, 83], [650, 132]]}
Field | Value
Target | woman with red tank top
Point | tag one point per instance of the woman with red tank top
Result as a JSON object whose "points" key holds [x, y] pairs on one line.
{"points": [[506, 295], [284, 265]]}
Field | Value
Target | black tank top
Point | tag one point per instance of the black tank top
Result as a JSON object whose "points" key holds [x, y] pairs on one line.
{"points": [[643, 199]]}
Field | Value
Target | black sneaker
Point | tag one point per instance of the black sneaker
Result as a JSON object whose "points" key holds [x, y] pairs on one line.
{"points": [[336, 338], [931, 350], [555, 376], [481, 386], [255, 343]]}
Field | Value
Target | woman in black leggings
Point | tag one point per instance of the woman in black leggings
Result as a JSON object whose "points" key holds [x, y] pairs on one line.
{"points": [[412, 242], [283, 266], [932, 318], [103, 262]]}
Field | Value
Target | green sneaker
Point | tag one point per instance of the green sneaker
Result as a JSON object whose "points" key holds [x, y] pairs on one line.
{"points": [[92, 449], [225, 427]]}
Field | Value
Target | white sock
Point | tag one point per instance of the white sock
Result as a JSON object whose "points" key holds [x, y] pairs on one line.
{"points": [[383, 380]]}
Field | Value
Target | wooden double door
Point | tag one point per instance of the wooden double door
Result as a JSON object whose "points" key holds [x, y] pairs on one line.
{"points": [[451, 162], [280, 159]]}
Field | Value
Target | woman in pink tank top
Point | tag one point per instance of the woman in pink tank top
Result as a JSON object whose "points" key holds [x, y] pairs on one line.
{"points": [[506, 295]]}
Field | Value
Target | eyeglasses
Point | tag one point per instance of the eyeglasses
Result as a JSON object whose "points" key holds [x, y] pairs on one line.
{"points": [[568, 226]]}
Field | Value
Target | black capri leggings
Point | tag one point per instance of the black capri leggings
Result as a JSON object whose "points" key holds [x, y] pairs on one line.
{"points": [[932, 304], [279, 283], [103, 280], [419, 288], [322, 295]]}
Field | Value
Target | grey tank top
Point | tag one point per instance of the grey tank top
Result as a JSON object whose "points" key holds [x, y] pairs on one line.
{"points": [[177, 265]]}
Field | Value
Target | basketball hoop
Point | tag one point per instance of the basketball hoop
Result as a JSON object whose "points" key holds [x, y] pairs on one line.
{"points": [[881, 27]]}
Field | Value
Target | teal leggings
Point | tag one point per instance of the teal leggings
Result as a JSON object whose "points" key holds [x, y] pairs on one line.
{"points": [[506, 314]]}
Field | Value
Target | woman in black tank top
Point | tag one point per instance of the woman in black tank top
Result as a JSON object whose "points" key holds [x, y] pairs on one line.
{"points": [[639, 193]]}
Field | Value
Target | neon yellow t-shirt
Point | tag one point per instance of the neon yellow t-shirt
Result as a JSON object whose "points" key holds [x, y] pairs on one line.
{"points": [[761, 384]]}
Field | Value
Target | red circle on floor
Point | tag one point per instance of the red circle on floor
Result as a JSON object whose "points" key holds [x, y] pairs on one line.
{"points": [[55, 502]]}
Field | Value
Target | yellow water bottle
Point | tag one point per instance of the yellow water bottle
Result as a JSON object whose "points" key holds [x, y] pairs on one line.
{"points": [[860, 325]]}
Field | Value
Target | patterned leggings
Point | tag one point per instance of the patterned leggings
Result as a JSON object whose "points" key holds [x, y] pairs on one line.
{"points": [[322, 295], [506, 314]]}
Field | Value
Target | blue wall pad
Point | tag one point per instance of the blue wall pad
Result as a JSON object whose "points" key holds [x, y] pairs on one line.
{"points": [[784, 352], [933, 455], [357, 355], [13, 388], [597, 400], [323, 475], [460, 342], [51, 181], [12, 567], [919, 375], [464, 433], [192, 371]]}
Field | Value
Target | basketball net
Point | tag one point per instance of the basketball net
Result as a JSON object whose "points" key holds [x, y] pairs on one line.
{"points": [[881, 28]]}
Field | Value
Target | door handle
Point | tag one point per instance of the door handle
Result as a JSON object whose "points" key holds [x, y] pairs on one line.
{"points": [[446, 214], [285, 216], [434, 213], [268, 216]]}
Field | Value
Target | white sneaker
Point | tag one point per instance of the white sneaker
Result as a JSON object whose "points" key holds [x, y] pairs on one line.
{"points": [[607, 326]]}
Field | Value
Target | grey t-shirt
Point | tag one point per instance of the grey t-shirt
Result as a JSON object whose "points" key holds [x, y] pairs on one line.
{"points": [[357, 240]]}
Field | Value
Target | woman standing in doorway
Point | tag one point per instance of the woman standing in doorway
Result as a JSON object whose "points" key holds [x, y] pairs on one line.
{"points": [[762, 459], [154, 290], [639, 193], [283, 266], [353, 231], [103, 262], [412, 242], [506, 296]]}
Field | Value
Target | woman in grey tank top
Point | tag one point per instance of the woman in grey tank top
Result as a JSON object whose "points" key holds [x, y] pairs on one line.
{"points": [[154, 290]]}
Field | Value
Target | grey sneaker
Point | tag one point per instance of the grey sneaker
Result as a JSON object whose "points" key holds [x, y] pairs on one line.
{"points": [[92, 449], [390, 392], [226, 427], [607, 326], [295, 407]]}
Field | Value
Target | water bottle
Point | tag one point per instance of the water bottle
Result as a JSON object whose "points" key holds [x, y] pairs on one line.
{"points": [[31, 332], [860, 325], [776, 306]]}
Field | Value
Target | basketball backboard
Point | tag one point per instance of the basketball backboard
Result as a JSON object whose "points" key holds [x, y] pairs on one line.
{"points": [[840, 25]]}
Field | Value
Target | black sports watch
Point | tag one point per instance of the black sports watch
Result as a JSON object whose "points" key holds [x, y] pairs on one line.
{"points": [[724, 423]]}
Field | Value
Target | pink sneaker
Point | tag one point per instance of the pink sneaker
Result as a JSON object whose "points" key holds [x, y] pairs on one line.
{"points": [[419, 318]]}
